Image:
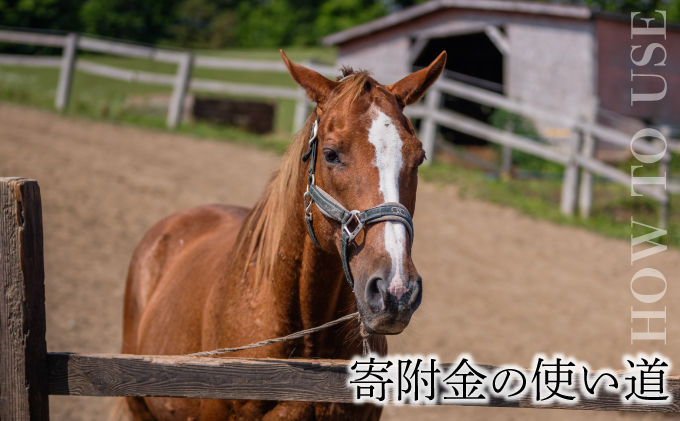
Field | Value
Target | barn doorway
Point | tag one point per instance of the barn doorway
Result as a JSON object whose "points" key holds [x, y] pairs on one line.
{"points": [[473, 59]]}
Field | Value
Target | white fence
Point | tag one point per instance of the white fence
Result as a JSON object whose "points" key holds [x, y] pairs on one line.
{"points": [[577, 188], [181, 81], [579, 155]]}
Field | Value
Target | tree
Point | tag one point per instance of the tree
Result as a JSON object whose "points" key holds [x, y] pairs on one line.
{"points": [[645, 7], [272, 24], [201, 24], [336, 15], [41, 14], [143, 21]]}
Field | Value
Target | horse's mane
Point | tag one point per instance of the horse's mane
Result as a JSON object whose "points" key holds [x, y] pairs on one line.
{"points": [[262, 231]]}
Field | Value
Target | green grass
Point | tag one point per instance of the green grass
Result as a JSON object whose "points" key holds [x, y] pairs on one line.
{"points": [[98, 97], [612, 204]]}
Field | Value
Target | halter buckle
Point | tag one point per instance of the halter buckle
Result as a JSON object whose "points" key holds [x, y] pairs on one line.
{"points": [[307, 200], [352, 234]]}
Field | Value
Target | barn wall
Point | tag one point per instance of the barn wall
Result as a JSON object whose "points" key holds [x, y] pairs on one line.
{"points": [[386, 57], [387, 52], [552, 65], [614, 64]]}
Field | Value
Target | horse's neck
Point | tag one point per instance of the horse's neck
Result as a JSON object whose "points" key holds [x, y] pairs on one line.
{"points": [[308, 282]]}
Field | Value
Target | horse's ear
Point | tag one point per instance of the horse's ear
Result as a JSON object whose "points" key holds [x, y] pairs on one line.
{"points": [[411, 88], [317, 86]]}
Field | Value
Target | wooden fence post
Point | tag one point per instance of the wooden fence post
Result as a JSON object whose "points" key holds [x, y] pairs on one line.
{"points": [[586, 187], [68, 65], [664, 171], [23, 351], [428, 125], [179, 92], [570, 183]]}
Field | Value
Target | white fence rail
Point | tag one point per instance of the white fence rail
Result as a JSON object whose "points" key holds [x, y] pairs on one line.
{"points": [[181, 81], [579, 155]]}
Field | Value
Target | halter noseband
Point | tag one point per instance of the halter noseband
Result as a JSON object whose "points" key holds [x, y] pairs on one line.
{"points": [[391, 211]]}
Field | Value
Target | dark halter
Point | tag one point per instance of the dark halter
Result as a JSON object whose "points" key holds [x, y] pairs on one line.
{"points": [[391, 211]]}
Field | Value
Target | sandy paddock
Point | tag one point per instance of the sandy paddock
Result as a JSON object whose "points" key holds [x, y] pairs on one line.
{"points": [[498, 285]]}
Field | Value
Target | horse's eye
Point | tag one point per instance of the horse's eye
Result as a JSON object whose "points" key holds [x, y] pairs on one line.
{"points": [[331, 156]]}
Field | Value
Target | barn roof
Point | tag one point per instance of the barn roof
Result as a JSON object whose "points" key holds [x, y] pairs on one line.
{"points": [[529, 7]]}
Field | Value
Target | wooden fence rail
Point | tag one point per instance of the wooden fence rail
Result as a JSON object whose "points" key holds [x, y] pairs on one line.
{"points": [[299, 380], [577, 155], [28, 374], [181, 81]]}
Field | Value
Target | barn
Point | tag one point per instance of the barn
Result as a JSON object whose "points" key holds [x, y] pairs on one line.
{"points": [[567, 59]]}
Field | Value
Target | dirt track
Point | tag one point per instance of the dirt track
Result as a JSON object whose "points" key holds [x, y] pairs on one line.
{"points": [[498, 285]]}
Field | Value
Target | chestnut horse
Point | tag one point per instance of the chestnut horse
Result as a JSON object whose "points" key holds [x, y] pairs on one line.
{"points": [[221, 276]]}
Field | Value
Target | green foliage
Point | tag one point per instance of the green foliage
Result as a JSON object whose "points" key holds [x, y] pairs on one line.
{"points": [[201, 24], [44, 14], [517, 124], [645, 7], [610, 215], [269, 25], [673, 11], [237, 23], [506, 120], [142, 21], [337, 15]]}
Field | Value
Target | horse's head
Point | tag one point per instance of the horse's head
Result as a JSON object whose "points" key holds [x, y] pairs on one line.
{"points": [[368, 155]]}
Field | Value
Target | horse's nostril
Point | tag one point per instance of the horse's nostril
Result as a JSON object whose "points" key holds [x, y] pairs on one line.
{"points": [[416, 294], [376, 289]]}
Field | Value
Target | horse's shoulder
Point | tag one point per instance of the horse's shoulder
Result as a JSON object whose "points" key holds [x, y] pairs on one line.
{"points": [[169, 238], [175, 232], [194, 220]]}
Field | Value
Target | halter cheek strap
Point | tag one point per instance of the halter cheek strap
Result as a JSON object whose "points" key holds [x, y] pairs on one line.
{"points": [[331, 208]]}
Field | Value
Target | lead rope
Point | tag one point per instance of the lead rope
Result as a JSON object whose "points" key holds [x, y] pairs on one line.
{"points": [[290, 337]]}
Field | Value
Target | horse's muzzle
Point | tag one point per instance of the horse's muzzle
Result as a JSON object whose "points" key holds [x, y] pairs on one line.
{"points": [[387, 313]]}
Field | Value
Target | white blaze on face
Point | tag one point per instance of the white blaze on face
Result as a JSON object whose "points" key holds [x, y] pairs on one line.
{"points": [[384, 135]]}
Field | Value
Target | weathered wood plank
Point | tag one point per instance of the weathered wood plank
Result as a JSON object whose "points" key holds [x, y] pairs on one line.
{"points": [[23, 352], [179, 91], [428, 125], [124, 74], [68, 61], [586, 185], [129, 50], [29, 61], [618, 176], [570, 178], [20, 37], [190, 377], [478, 129], [267, 379], [492, 99]]}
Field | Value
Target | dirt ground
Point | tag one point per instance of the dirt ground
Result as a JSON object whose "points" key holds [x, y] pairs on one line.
{"points": [[497, 285]]}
